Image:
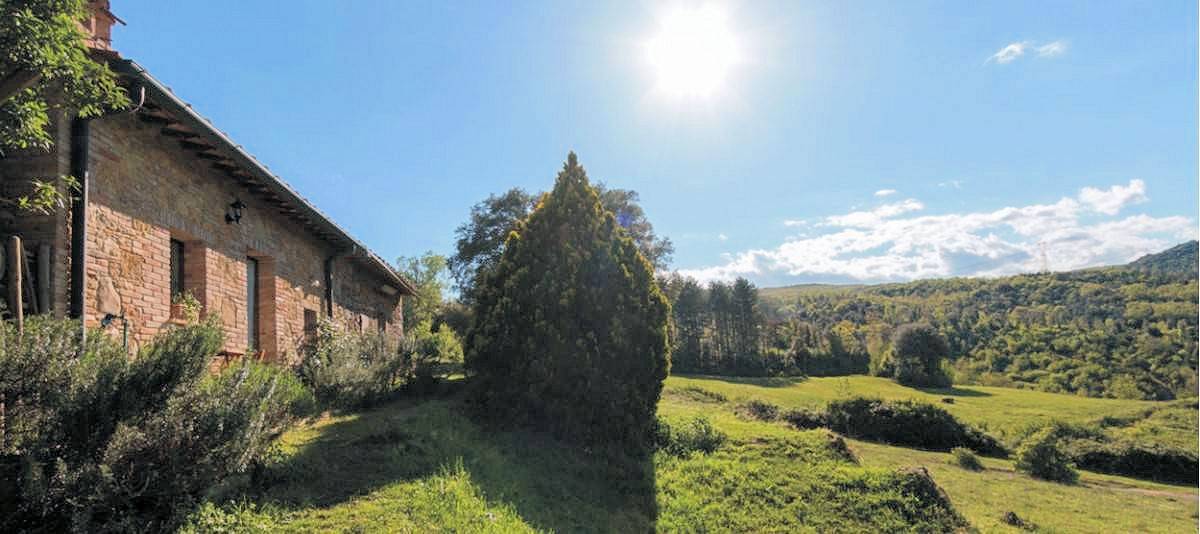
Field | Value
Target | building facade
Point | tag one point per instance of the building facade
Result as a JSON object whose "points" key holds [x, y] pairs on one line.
{"points": [[170, 206]]}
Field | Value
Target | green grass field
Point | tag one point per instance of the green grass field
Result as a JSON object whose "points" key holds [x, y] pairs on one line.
{"points": [[1099, 503], [1000, 411], [425, 467]]}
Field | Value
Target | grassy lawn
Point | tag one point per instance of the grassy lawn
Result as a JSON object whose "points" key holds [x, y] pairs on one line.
{"points": [[1000, 411], [426, 467], [1099, 503]]}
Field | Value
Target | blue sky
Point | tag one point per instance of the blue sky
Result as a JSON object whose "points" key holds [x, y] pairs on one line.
{"points": [[1004, 129]]}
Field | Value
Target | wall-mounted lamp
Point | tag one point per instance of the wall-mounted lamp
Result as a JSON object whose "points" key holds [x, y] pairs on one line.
{"points": [[233, 215], [108, 320]]}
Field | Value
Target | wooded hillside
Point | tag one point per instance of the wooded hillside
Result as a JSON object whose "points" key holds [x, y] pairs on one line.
{"points": [[1127, 331]]}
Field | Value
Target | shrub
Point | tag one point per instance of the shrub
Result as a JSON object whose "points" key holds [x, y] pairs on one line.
{"points": [[1040, 456], [837, 445], [965, 459], [96, 442], [1129, 459], [804, 419], [700, 394], [918, 484], [350, 370], [156, 467], [424, 351], [693, 435], [1088, 447], [570, 327], [759, 410], [1011, 518], [906, 423]]}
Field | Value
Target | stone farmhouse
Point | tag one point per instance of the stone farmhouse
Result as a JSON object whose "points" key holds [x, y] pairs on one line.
{"points": [[168, 206]]}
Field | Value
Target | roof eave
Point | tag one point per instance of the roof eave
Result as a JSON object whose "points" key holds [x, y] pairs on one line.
{"points": [[159, 92]]}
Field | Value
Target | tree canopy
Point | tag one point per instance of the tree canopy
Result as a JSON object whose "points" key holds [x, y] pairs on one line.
{"points": [[42, 52], [45, 69], [428, 273], [917, 354], [480, 240]]}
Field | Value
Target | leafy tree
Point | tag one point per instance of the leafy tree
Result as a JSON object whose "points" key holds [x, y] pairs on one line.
{"points": [[689, 314], [624, 205], [917, 354], [720, 306], [480, 241], [428, 273], [45, 69], [570, 329], [745, 327]]}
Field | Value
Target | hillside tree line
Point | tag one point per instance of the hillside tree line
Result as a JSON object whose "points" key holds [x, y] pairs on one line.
{"points": [[1125, 332]]}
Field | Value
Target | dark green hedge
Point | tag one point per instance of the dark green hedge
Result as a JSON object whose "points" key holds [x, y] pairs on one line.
{"points": [[1136, 460], [909, 423]]}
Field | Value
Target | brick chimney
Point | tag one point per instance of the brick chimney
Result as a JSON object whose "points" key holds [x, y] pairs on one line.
{"points": [[98, 25]]}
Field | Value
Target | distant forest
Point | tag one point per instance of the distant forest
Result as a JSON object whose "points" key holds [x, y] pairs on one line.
{"points": [[1126, 332]]}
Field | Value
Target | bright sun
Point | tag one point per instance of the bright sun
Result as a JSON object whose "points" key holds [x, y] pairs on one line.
{"points": [[693, 52]]}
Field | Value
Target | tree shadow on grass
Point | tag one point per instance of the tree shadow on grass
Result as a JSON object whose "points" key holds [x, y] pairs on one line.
{"points": [[551, 485], [761, 381], [954, 391]]}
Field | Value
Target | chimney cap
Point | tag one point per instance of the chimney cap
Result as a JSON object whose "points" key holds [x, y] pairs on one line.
{"points": [[102, 7], [98, 25]]}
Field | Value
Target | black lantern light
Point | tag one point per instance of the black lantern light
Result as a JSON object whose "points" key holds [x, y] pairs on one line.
{"points": [[234, 214]]}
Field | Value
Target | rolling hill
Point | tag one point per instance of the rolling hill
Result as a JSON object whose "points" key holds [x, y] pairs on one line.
{"points": [[1125, 331], [1181, 258]]}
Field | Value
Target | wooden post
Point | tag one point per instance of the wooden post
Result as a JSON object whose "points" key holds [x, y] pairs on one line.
{"points": [[28, 288], [43, 277], [15, 284]]}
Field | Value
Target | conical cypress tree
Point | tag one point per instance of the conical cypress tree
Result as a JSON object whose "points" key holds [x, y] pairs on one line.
{"points": [[570, 331]]}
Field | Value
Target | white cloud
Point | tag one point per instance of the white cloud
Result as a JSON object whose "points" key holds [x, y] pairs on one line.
{"points": [[795, 222], [1053, 48], [894, 243], [723, 237], [885, 192], [1013, 51], [1110, 201], [957, 184], [865, 218], [1010, 52]]}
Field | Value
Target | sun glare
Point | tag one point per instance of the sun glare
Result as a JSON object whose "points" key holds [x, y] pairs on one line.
{"points": [[693, 52]]}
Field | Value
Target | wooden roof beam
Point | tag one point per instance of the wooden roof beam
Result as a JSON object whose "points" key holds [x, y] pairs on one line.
{"points": [[158, 116], [176, 129]]}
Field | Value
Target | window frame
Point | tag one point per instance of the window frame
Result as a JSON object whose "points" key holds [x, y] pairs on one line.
{"points": [[252, 299], [177, 278]]}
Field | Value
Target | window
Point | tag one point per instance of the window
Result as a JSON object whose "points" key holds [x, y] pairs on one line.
{"points": [[251, 303], [176, 268], [310, 323]]}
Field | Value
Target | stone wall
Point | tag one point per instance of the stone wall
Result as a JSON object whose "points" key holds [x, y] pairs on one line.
{"points": [[146, 190]]}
